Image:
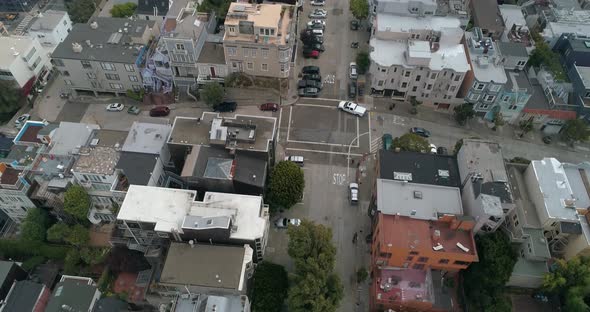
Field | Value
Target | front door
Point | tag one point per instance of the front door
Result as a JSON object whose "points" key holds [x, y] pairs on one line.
{"points": [[212, 70]]}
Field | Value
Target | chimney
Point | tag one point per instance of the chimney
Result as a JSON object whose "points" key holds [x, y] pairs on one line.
{"points": [[76, 47], [94, 25]]}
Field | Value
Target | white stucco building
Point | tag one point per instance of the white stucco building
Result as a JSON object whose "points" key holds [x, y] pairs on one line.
{"points": [[51, 28], [21, 59]]}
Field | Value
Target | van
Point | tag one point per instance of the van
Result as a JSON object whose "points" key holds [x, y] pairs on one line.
{"points": [[317, 32], [296, 159]]}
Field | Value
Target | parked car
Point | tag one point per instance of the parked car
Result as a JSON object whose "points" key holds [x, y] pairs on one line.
{"points": [[315, 46], [159, 111], [420, 131], [309, 92], [316, 77], [21, 120], [387, 140], [318, 2], [284, 223], [353, 193], [310, 70], [64, 95], [225, 107], [351, 89], [352, 108], [316, 26], [133, 110], [273, 107], [317, 21], [441, 150], [309, 53], [296, 159], [309, 84], [547, 139], [115, 107], [318, 13], [352, 71], [354, 25], [432, 148], [317, 39]]}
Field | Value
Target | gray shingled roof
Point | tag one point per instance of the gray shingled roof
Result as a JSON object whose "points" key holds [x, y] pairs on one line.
{"points": [[513, 49]]}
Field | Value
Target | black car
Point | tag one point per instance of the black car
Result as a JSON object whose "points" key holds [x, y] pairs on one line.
{"points": [[317, 39], [351, 90], [310, 70], [315, 46], [441, 150], [225, 107], [354, 25], [309, 84], [308, 92], [420, 131], [315, 77]]}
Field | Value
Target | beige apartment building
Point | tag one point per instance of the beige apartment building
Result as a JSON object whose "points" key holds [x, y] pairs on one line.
{"points": [[259, 39]]}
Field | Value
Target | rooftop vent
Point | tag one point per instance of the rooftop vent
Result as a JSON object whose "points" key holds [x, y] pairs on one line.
{"points": [[94, 25], [76, 47]]}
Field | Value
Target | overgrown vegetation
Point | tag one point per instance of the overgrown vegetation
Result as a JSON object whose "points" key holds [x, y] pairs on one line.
{"points": [[22, 250], [123, 9], [10, 100], [286, 185], [359, 9], [35, 225], [575, 130], [570, 281], [220, 7], [363, 62], [463, 113], [212, 94], [543, 55], [411, 142], [270, 285], [77, 203], [76, 235], [138, 96], [80, 11]]}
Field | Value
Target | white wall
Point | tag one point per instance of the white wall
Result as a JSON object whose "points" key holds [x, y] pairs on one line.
{"points": [[15, 204], [578, 245], [56, 35], [536, 196], [23, 70]]}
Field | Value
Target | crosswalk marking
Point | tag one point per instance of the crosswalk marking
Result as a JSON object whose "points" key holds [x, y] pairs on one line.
{"points": [[330, 79]]}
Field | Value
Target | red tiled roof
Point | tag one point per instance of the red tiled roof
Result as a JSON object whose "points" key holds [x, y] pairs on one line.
{"points": [[554, 114], [9, 176], [30, 134]]}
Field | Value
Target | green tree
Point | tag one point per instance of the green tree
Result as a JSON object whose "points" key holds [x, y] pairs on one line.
{"points": [[80, 11], [286, 185], [498, 120], [212, 93], [77, 202], [220, 7], [72, 262], [10, 98], [92, 256], [361, 275], [570, 280], [484, 280], [78, 236], [363, 62], [575, 130], [316, 287], [359, 9], [543, 55], [411, 142], [123, 9], [34, 226], [463, 113], [270, 287], [58, 232]]}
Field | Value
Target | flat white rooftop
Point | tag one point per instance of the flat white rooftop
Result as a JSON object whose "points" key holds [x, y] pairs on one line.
{"points": [[555, 187], [487, 68], [396, 23]]}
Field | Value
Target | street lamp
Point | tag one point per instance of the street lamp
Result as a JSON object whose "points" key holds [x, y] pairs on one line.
{"points": [[348, 155]]}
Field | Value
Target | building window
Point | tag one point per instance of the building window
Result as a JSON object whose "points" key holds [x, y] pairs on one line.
{"points": [[495, 88], [474, 97], [232, 51], [91, 75], [404, 84], [453, 88], [66, 73], [86, 64], [5, 73], [68, 82], [418, 77], [253, 52], [136, 88], [395, 69], [108, 66], [37, 61], [95, 84], [180, 46], [133, 78], [512, 107], [30, 54], [383, 70], [264, 67], [129, 68], [112, 76], [429, 87], [479, 86], [418, 266], [461, 262], [414, 253], [490, 98], [433, 76], [250, 66], [414, 88], [116, 86], [407, 73], [587, 94], [409, 258], [484, 106], [458, 77], [264, 53], [506, 98], [231, 29], [385, 255], [380, 83], [520, 63], [423, 259], [245, 51], [443, 261]]}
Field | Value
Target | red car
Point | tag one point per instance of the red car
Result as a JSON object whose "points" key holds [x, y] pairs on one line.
{"points": [[159, 111], [311, 54], [269, 107]]}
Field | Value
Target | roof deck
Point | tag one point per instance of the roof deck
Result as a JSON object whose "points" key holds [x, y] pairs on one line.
{"points": [[259, 16], [403, 285], [97, 160], [53, 165], [28, 133]]}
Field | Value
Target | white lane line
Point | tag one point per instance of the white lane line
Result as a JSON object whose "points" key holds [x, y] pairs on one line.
{"points": [[279, 129], [317, 143], [289, 126], [358, 131], [323, 152], [316, 105], [326, 99], [370, 130]]}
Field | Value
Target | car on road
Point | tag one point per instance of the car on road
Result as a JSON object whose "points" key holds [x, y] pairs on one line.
{"points": [[309, 53], [227, 106], [318, 13], [432, 148], [318, 2], [352, 71], [21, 120], [310, 70], [133, 110], [309, 84], [317, 39], [159, 111], [296, 159], [282, 223], [354, 25], [309, 92], [316, 26], [353, 193], [351, 89], [547, 139], [115, 107], [273, 107], [316, 77], [352, 108], [317, 21], [315, 46], [441, 150], [420, 131]]}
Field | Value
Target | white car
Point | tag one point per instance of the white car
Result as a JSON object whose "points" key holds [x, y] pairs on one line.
{"points": [[318, 2], [352, 108], [432, 148], [296, 159], [115, 107], [315, 22], [21, 120], [354, 193], [318, 13], [284, 222], [352, 71]]}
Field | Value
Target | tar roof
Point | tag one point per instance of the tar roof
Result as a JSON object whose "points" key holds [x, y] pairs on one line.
{"points": [[250, 170], [22, 296], [513, 49], [75, 293], [146, 138], [147, 7], [108, 42], [487, 15], [204, 265], [137, 167], [420, 201], [48, 20], [70, 136], [481, 157], [28, 133], [5, 267], [424, 168], [212, 53]]}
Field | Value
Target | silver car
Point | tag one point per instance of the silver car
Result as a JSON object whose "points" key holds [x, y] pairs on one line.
{"points": [[284, 223], [353, 193]]}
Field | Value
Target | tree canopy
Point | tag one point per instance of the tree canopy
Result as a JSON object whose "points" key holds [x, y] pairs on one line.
{"points": [[316, 287], [9, 97], [575, 130], [80, 11], [270, 287], [570, 280], [543, 55], [123, 9], [212, 93], [76, 235], [286, 185], [58, 232], [484, 280], [35, 225], [359, 8], [122, 259], [463, 113], [220, 7], [411, 142], [77, 202], [363, 61]]}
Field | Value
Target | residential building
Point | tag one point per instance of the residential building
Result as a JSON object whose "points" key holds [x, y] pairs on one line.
{"points": [[580, 77], [208, 269], [23, 61], [204, 302], [422, 8], [558, 21], [560, 195], [10, 272], [26, 296], [259, 39], [516, 30], [105, 55], [486, 16], [14, 191], [419, 58], [486, 194], [211, 63], [51, 28], [152, 9], [74, 292], [152, 216], [17, 5], [514, 55], [526, 233]]}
